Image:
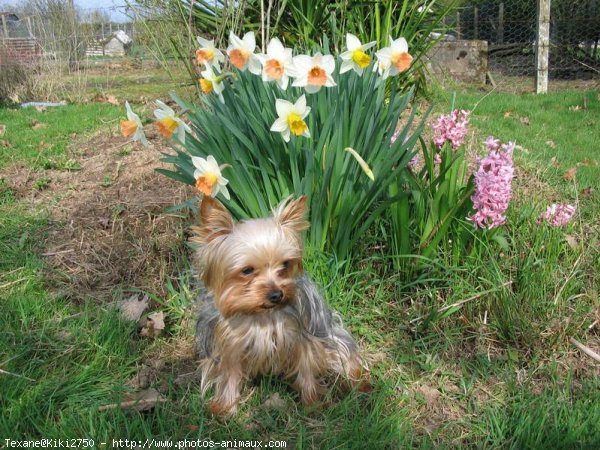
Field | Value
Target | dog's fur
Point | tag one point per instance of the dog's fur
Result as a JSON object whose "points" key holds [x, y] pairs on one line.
{"points": [[260, 314]]}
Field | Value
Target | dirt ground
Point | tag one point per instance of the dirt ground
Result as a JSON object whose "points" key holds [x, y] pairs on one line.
{"points": [[108, 230]]}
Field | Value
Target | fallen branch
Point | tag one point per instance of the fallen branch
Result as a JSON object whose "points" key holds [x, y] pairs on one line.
{"points": [[588, 351], [462, 302]]}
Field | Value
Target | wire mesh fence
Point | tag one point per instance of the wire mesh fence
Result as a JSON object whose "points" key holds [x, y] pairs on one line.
{"points": [[510, 28]]}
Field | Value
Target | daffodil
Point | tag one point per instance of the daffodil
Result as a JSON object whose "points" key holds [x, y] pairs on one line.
{"points": [[241, 52], [168, 123], [208, 54], [210, 82], [313, 73], [355, 57], [394, 59], [291, 118], [132, 127], [208, 177], [276, 63]]}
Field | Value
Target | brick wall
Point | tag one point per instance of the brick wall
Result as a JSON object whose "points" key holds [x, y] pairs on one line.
{"points": [[22, 50]]}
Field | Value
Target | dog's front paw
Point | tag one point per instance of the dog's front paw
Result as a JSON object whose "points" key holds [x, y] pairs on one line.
{"points": [[221, 409]]}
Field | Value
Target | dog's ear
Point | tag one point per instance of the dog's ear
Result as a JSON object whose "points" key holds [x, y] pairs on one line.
{"points": [[290, 214], [215, 220]]}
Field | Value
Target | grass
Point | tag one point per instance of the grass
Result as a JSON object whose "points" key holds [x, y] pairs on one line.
{"points": [[40, 139], [496, 373]]}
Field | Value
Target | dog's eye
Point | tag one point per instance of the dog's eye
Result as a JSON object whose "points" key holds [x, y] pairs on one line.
{"points": [[286, 265], [248, 270]]}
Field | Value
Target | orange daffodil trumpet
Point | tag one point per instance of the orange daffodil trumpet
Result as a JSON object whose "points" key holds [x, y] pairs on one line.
{"points": [[241, 53], [312, 73], [210, 82], [132, 127], [208, 54], [169, 124], [277, 63], [208, 176], [394, 59], [291, 118], [355, 57]]}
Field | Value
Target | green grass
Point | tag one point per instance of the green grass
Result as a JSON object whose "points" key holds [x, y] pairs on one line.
{"points": [[56, 128], [496, 373]]}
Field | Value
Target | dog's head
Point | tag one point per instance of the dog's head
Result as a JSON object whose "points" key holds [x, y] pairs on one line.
{"points": [[250, 266]]}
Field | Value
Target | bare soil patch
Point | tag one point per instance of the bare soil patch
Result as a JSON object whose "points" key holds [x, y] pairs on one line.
{"points": [[108, 229]]}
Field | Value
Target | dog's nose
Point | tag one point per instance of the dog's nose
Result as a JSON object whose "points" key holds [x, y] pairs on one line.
{"points": [[275, 296]]}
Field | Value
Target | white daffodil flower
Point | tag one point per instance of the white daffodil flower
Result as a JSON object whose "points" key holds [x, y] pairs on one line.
{"points": [[241, 52], [394, 59], [168, 123], [208, 177], [276, 63], [208, 54], [312, 73], [355, 57], [132, 127], [291, 118], [210, 82]]}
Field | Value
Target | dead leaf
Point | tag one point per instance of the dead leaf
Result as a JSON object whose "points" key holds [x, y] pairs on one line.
{"points": [[508, 114], [588, 163], [554, 162], [106, 98], [5, 144], [2, 129], [274, 401], [104, 223], [153, 325], [524, 120], [37, 125], [143, 378], [112, 100], [570, 174], [575, 108], [429, 393], [587, 192], [572, 241], [551, 144], [133, 308], [43, 145], [138, 401], [40, 108]]}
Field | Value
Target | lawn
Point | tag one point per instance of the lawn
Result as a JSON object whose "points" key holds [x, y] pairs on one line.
{"points": [[497, 372]]}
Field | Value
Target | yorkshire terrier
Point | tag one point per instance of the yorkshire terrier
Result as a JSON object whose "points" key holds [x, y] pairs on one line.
{"points": [[260, 314]]}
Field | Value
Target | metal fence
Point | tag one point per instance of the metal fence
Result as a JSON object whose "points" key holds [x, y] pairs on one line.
{"points": [[510, 28]]}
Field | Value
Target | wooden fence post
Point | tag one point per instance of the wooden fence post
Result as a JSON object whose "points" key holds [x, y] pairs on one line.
{"points": [[5, 27], [543, 46]]}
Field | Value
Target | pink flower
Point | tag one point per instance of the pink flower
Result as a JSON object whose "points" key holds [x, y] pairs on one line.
{"points": [[451, 128], [493, 185], [558, 215], [415, 162]]}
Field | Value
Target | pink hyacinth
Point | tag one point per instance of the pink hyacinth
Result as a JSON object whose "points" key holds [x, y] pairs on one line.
{"points": [[558, 215], [493, 185], [414, 162], [451, 128]]}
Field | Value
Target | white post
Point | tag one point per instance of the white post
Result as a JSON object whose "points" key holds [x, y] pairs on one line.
{"points": [[543, 46]]}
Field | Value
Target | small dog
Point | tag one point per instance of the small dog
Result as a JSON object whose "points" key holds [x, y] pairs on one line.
{"points": [[260, 314]]}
